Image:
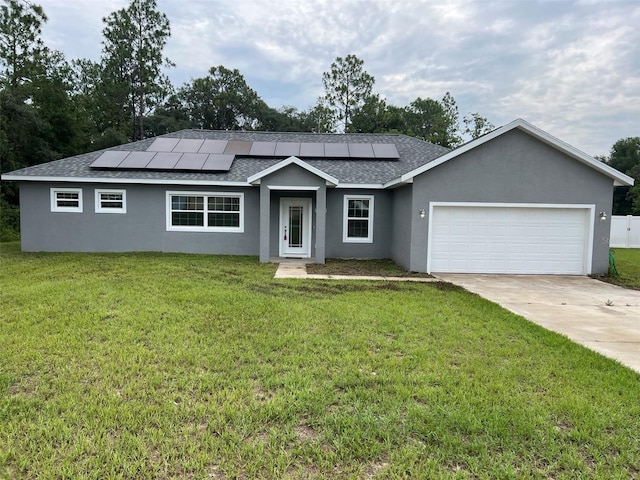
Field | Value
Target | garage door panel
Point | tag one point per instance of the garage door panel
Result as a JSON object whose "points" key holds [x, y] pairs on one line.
{"points": [[469, 239]]}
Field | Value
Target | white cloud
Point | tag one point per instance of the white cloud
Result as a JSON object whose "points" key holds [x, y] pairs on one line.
{"points": [[571, 67]]}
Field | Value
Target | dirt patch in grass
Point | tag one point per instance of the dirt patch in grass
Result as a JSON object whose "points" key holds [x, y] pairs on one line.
{"points": [[382, 268], [322, 288]]}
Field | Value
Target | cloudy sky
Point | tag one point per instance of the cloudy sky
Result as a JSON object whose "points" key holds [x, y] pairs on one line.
{"points": [[571, 67]]}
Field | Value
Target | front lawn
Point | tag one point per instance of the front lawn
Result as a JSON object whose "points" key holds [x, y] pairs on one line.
{"points": [[192, 366]]}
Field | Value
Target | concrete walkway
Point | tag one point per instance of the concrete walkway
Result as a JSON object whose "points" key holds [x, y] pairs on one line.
{"points": [[598, 315]]}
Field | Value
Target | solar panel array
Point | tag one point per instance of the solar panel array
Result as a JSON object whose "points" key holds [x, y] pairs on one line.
{"points": [[188, 154]]}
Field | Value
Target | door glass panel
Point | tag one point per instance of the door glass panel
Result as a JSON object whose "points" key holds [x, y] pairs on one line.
{"points": [[295, 226]]}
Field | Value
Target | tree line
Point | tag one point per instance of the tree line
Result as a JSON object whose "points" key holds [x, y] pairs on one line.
{"points": [[52, 107]]}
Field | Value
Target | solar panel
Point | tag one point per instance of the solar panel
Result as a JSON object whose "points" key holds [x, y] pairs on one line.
{"points": [[218, 155], [238, 147], [188, 145], [361, 150], [213, 146], [312, 150], [164, 161], [218, 162], [287, 149], [110, 159], [163, 145], [263, 149], [385, 150], [334, 150], [191, 161], [137, 160]]}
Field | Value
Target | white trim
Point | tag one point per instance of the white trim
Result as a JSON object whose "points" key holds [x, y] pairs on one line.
{"points": [[172, 228], [292, 188], [307, 224], [619, 178], [365, 186], [54, 200], [293, 161], [345, 219], [98, 205], [141, 181], [590, 207]]}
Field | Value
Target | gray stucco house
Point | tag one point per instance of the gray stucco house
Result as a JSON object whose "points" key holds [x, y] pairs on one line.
{"points": [[516, 200]]}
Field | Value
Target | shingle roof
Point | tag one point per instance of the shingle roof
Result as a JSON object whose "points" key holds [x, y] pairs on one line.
{"points": [[412, 154]]}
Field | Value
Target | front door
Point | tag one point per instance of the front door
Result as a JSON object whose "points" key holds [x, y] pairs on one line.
{"points": [[295, 227]]}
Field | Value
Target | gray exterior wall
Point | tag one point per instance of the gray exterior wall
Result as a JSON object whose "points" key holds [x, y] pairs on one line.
{"points": [[402, 213], [513, 168], [142, 228], [382, 226]]}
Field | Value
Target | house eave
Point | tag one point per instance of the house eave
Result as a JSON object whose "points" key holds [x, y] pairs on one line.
{"points": [[139, 181], [361, 186]]}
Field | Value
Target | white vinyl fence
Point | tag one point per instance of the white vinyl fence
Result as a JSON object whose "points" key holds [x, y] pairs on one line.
{"points": [[625, 232]]}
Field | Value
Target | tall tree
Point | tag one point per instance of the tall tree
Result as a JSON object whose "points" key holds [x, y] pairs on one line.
{"points": [[134, 39], [346, 85], [426, 119], [475, 125], [625, 156], [452, 122], [20, 42], [377, 116], [221, 100]]}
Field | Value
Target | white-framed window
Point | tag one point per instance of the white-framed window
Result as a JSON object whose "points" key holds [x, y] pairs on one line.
{"points": [[111, 201], [205, 211], [66, 199], [357, 224]]}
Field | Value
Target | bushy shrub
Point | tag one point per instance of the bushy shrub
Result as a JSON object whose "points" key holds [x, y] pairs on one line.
{"points": [[9, 222]]}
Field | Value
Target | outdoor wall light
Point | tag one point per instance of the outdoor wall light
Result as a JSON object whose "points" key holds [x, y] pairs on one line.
{"points": [[603, 216], [421, 212]]}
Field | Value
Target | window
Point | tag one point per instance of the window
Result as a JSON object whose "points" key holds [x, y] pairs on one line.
{"points": [[66, 200], [111, 201], [205, 212], [358, 219]]}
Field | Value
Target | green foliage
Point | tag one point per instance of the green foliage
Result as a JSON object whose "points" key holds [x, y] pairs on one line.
{"points": [[132, 60], [475, 125], [20, 43], [196, 366], [426, 120], [452, 121], [625, 157], [347, 85], [220, 101], [376, 116], [9, 219]]}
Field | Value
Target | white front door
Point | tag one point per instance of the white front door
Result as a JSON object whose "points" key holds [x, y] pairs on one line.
{"points": [[295, 227]]}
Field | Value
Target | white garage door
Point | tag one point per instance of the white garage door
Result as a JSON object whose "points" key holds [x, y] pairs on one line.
{"points": [[510, 239]]}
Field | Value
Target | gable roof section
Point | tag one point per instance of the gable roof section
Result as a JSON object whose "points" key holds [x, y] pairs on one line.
{"points": [[351, 173], [255, 179], [619, 178]]}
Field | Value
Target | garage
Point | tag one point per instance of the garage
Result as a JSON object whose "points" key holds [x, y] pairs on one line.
{"points": [[510, 238]]}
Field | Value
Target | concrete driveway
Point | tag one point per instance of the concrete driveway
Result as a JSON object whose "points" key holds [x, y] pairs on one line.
{"points": [[598, 315]]}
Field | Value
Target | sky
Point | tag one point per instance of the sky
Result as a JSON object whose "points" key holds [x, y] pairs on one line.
{"points": [[570, 67]]}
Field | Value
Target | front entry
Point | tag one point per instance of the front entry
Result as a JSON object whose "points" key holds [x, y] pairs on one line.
{"points": [[295, 227]]}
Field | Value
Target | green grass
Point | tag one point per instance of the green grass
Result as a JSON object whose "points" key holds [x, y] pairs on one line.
{"points": [[384, 268], [628, 266], [186, 366]]}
